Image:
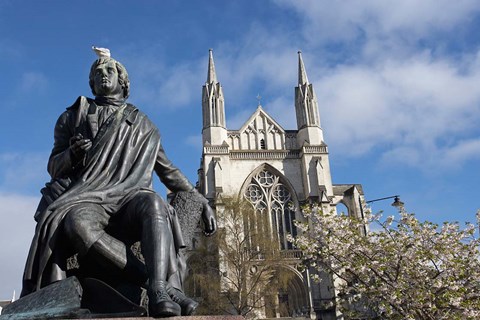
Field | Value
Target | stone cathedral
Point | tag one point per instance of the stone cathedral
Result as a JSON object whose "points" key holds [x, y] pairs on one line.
{"points": [[273, 167]]}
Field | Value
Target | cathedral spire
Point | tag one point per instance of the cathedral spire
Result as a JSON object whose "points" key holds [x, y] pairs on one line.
{"points": [[302, 73], [306, 107], [211, 76], [213, 107]]}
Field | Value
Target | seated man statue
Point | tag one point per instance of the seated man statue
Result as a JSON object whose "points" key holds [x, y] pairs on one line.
{"points": [[100, 197]]}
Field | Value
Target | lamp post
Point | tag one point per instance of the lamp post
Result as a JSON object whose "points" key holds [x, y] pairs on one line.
{"points": [[396, 203]]}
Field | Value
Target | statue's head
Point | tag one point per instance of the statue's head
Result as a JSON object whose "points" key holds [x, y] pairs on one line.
{"points": [[123, 80]]}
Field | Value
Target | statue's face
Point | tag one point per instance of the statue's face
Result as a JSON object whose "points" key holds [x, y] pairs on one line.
{"points": [[105, 80]]}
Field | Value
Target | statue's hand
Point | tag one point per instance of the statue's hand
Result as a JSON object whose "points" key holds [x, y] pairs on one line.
{"points": [[79, 146], [209, 220]]}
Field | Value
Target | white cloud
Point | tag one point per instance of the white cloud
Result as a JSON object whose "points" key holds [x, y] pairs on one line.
{"points": [[282, 110], [157, 85], [182, 86], [262, 60], [16, 231], [465, 149], [10, 49], [20, 174], [33, 82], [388, 95], [195, 141], [23, 171], [351, 20], [419, 107], [419, 104], [433, 157], [237, 120]]}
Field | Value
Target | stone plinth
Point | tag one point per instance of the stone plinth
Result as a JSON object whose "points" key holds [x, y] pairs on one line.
{"points": [[179, 318]]}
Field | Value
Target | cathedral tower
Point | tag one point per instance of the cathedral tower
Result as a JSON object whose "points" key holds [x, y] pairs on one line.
{"points": [[306, 107], [317, 181], [213, 105]]}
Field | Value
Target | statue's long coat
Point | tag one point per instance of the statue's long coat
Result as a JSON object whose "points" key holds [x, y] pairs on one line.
{"points": [[126, 150]]}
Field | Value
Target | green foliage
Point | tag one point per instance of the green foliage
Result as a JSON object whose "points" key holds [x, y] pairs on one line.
{"points": [[402, 269], [246, 271]]}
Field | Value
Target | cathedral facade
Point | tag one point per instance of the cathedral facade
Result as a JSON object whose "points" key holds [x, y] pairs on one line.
{"points": [[277, 170]]}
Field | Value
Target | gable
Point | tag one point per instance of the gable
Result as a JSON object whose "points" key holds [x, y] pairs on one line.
{"points": [[260, 121], [260, 132]]}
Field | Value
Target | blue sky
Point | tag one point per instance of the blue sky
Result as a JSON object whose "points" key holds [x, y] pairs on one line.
{"points": [[397, 82]]}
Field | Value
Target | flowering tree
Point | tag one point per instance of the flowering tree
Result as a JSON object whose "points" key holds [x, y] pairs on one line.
{"points": [[402, 269], [248, 271]]}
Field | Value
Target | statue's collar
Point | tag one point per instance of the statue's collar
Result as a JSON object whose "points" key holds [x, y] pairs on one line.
{"points": [[107, 101]]}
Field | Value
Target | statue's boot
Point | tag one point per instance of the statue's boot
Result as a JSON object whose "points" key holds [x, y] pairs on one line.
{"points": [[159, 302], [111, 252], [187, 304], [156, 244]]}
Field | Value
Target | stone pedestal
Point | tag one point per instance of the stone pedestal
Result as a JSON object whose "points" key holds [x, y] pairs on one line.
{"points": [[93, 299], [179, 318], [69, 299]]}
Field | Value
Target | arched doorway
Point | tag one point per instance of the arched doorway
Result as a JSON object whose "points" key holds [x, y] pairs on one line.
{"points": [[291, 300]]}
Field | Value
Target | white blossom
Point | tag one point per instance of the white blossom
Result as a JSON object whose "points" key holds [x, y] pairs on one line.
{"points": [[406, 270]]}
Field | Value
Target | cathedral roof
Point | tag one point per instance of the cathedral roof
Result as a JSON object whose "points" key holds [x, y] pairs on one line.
{"points": [[261, 114], [341, 189]]}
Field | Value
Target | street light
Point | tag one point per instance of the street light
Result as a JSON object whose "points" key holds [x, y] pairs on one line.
{"points": [[396, 201]]}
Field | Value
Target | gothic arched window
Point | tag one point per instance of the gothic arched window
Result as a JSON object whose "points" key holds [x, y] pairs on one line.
{"points": [[273, 204]]}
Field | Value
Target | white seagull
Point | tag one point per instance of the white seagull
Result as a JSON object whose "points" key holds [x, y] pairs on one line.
{"points": [[101, 52]]}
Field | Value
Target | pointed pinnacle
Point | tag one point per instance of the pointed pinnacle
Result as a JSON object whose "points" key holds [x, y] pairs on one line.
{"points": [[302, 73], [211, 76]]}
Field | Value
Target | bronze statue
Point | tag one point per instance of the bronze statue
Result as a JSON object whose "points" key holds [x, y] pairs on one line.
{"points": [[100, 199]]}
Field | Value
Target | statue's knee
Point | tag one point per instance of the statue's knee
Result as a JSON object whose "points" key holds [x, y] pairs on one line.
{"points": [[84, 224], [152, 205], [73, 224]]}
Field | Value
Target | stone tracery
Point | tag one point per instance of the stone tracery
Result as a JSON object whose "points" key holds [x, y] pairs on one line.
{"points": [[272, 202]]}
